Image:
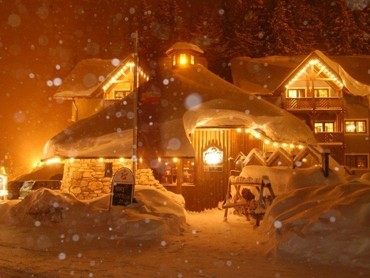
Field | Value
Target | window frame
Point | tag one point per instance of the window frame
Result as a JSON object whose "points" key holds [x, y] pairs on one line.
{"points": [[316, 89], [356, 156], [323, 125], [299, 91], [355, 132]]}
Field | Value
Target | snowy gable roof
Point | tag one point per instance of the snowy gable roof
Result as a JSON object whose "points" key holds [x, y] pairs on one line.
{"points": [[185, 98], [181, 46], [266, 75], [88, 76]]}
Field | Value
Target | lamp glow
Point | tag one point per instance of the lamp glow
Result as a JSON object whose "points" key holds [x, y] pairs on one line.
{"points": [[213, 156]]}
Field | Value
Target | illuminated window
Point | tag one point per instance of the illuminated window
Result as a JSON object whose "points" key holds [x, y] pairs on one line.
{"points": [[183, 59], [357, 161], [324, 127], [355, 126], [167, 171], [321, 92], [296, 93], [192, 61]]}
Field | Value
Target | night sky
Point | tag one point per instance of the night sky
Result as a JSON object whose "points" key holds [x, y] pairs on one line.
{"points": [[40, 42]]}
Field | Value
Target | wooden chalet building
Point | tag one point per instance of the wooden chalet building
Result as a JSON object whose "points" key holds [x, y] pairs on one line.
{"points": [[330, 94], [191, 125]]}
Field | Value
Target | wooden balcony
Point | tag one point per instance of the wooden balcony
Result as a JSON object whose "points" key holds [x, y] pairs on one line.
{"points": [[330, 137], [313, 103]]}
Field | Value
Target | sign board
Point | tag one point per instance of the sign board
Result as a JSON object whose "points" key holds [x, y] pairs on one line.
{"points": [[123, 184], [213, 160]]}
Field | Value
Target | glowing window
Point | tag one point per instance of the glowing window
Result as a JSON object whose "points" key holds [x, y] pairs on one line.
{"points": [[322, 93], [356, 126], [296, 93], [324, 127], [357, 161], [183, 59], [192, 61]]}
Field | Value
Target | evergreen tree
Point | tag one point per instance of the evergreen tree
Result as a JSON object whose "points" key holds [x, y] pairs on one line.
{"points": [[284, 40], [342, 35], [307, 24], [251, 28], [208, 34]]}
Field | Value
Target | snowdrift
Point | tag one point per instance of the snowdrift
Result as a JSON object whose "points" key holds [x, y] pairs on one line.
{"points": [[157, 212], [327, 224]]}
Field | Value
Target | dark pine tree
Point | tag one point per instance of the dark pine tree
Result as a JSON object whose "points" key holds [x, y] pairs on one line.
{"points": [[208, 35], [307, 24], [251, 28], [342, 36], [284, 39]]}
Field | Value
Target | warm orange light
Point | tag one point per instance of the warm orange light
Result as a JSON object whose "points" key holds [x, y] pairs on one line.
{"points": [[183, 60], [53, 160]]}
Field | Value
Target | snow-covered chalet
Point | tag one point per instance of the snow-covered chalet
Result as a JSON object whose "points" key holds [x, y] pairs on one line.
{"points": [[191, 125], [330, 94]]}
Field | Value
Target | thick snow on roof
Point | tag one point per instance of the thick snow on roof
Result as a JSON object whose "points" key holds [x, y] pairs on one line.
{"points": [[188, 98], [85, 78], [178, 46], [267, 74]]}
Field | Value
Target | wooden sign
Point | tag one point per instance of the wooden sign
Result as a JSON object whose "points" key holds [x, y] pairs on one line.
{"points": [[123, 184]]}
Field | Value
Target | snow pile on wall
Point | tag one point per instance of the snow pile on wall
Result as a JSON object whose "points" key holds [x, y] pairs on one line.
{"points": [[157, 212], [323, 223]]}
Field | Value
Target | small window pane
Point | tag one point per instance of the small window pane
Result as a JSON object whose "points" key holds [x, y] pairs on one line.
{"points": [[356, 161], [350, 126], [329, 127], [361, 126], [321, 92], [318, 127]]}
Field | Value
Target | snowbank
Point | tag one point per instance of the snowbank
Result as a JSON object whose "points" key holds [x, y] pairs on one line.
{"points": [[327, 224], [284, 179], [156, 213]]}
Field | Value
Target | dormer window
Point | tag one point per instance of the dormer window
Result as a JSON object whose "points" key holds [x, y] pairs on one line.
{"points": [[183, 59], [184, 54]]}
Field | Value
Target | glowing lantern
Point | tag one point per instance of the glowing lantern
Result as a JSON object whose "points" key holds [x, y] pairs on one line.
{"points": [[183, 53], [213, 156]]}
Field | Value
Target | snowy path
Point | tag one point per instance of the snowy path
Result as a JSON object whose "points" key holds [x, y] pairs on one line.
{"points": [[209, 248]]}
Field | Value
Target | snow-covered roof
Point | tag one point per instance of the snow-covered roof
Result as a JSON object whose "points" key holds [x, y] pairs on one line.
{"points": [[188, 98], [180, 46], [88, 76], [266, 75]]}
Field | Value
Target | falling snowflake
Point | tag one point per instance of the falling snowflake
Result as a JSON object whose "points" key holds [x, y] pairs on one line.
{"points": [[278, 224], [193, 101], [62, 256], [115, 62], [14, 20]]}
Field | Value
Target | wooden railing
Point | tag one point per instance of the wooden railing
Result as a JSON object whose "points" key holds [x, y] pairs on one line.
{"points": [[329, 137], [313, 104]]}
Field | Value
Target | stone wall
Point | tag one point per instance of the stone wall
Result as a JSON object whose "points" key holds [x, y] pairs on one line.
{"points": [[85, 179]]}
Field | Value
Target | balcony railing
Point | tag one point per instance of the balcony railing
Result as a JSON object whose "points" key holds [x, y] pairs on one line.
{"points": [[313, 104], [329, 137]]}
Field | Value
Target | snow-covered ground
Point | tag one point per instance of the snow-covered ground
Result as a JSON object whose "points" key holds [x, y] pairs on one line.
{"points": [[320, 230]]}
